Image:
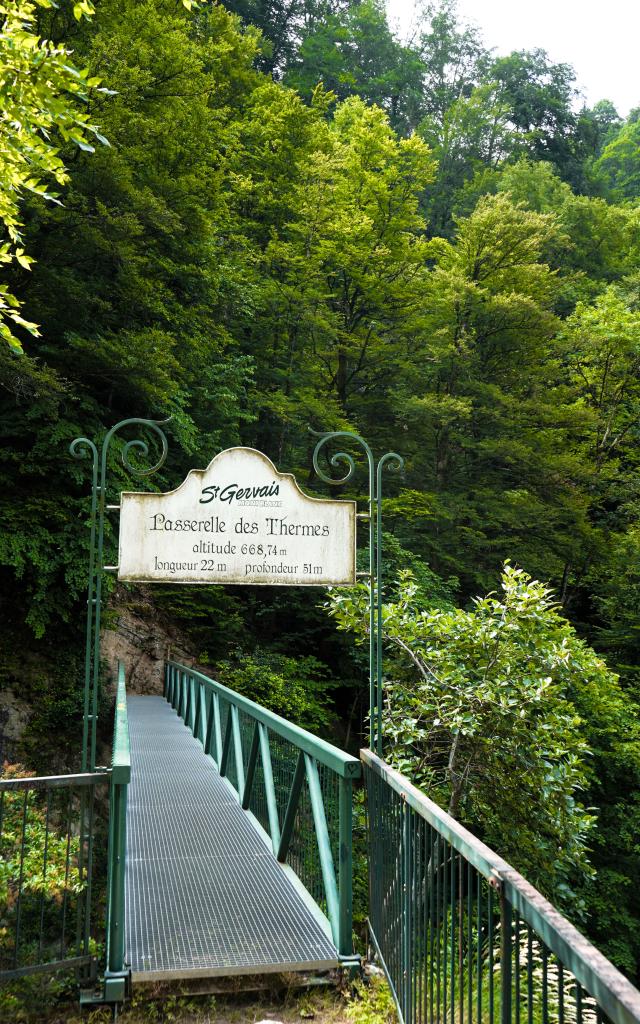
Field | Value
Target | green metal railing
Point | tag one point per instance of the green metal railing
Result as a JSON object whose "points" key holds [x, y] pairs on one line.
{"points": [[116, 974], [465, 939], [52, 884], [297, 786], [48, 913]]}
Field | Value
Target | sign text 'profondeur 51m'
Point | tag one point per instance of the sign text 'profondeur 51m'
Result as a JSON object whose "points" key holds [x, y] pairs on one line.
{"points": [[237, 521]]}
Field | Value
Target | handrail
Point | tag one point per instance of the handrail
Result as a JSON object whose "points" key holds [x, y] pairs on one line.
{"points": [[55, 781], [247, 741], [334, 758], [474, 850], [614, 994], [115, 973]]}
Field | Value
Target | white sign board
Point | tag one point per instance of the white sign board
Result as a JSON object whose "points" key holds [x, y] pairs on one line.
{"points": [[237, 521]]}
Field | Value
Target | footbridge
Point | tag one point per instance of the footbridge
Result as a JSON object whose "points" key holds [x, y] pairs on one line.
{"points": [[239, 838], [219, 842]]}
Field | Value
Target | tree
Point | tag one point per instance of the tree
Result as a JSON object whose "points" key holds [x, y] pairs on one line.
{"points": [[339, 237], [453, 57], [40, 91], [486, 406], [619, 163], [479, 713], [353, 52], [539, 95]]}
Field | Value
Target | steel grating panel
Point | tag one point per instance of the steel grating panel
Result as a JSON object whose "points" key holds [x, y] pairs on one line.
{"points": [[204, 894]]}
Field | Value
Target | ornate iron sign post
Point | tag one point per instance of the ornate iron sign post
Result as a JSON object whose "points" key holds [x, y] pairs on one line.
{"points": [[82, 448], [393, 461]]}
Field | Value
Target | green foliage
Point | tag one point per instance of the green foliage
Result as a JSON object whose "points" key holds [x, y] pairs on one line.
{"points": [[479, 712], [619, 163], [295, 688], [23, 851], [40, 91], [372, 1003]]}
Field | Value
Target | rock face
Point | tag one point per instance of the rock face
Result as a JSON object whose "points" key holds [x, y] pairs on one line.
{"points": [[14, 716], [142, 640], [136, 633]]}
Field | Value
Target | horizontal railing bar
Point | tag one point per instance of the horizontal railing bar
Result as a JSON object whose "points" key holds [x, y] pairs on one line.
{"points": [[56, 781], [474, 850], [616, 996], [50, 968], [334, 758]]}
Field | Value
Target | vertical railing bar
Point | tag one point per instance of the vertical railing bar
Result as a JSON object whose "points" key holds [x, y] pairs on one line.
{"points": [[460, 940], [418, 964], [181, 694], [66, 878], [45, 866], [479, 945], [345, 865], [506, 955], [217, 730], [196, 707], [192, 704], [251, 768], [21, 875], [430, 868], [529, 976], [517, 942], [202, 709], [88, 894], [269, 787], [225, 747], [324, 846], [209, 736], [292, 806], [560, 992], [237, 749], [470, 874], [491, 961], [437, 844], [445, 919], [406, 914], [452, 930], [545, 985]]}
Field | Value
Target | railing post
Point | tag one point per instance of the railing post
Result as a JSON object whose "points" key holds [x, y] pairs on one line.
{"points": [[116, 974], [407, 974], [345, 867]]}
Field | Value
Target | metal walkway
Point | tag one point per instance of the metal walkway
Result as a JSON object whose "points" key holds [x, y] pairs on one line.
{"points": [[204, 893]]}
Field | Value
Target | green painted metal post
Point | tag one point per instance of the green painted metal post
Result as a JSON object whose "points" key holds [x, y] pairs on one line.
{"points": [[79, 448], [116, 973], [506, 957], [407, 926], [375, 560], [324, 846], [345, 867]]}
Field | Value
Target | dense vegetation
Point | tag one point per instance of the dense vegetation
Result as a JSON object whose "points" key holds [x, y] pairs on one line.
{"points": [[301, 221]]}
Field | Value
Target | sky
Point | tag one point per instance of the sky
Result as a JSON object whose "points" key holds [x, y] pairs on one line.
{"points": [[600, 38]]}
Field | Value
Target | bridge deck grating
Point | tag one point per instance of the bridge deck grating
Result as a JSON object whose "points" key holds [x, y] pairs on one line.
{"points": [[204, 894]]}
